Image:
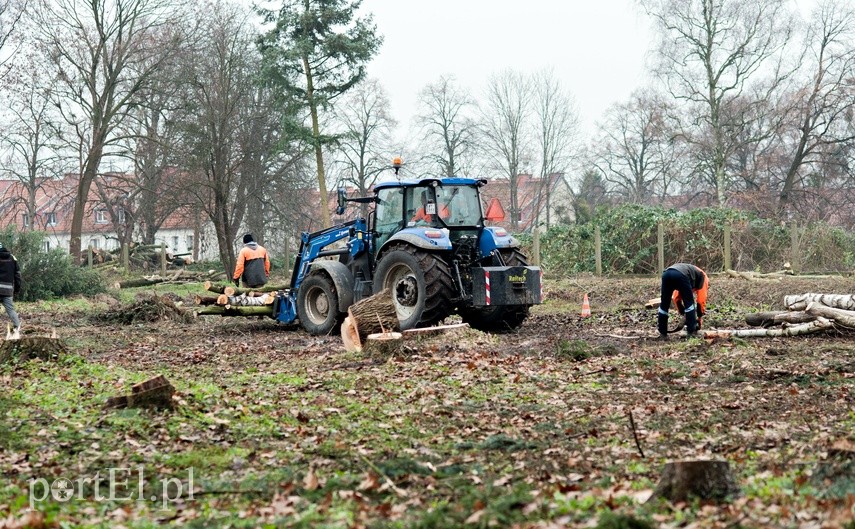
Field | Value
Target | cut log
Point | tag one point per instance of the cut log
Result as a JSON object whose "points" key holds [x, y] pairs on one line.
{"points": [[820, 324], [156, 392], [374, 314], [383, 345], [837, 301], [222, 299], [229, 291], [206, 300], [704, 480], [218, 310], [30, 347], [350, 336], [770, 319], [846, 318], [211, 287]]}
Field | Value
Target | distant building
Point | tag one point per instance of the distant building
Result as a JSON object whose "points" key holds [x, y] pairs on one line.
{"points": [[54, 201]]}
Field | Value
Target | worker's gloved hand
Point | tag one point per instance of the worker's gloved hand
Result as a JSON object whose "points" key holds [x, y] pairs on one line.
{"points": [[237, 283]]}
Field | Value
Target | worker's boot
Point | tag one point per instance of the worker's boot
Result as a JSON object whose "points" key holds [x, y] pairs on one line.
{"points": [[692, 322], [662, 325]]}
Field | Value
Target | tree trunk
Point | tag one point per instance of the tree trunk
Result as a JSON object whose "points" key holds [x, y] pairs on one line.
{"points": [[820, 324], [769, 319], [316, 141], [837, 301], [845, 318], [705, 480], [374, 314]]}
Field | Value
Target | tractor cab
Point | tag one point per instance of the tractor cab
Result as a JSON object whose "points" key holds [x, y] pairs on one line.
{"points": [[449, 204]]}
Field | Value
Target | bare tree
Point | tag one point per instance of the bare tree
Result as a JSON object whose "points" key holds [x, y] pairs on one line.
{"points": [[316, 51], [31, 135], [557, 124], [365, 126], [710, 50], [104, 52], [634, 150], [11, 12], [448, 128], [506, 138], [226, 101], [818, 111]]}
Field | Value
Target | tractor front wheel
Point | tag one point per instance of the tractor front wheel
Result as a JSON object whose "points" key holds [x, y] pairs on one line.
{"points": [[420, 283], [317, 305]]}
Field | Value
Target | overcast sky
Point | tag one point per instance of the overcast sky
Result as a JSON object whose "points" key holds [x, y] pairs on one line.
{"points": [[597, 48]]}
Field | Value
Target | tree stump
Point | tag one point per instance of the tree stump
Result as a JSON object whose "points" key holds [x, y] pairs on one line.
{"points": [[705, 480], [383, 345], [153, 393], [374, 314], [29, 347]]}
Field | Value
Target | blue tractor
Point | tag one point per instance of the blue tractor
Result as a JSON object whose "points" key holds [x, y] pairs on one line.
{"points": [[427, 243]]}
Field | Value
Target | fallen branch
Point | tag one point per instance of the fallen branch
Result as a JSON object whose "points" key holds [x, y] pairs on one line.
{"points": [[635, 435]]}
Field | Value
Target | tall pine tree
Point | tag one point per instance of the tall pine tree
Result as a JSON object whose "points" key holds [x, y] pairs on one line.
{"points": [[315, 51]]}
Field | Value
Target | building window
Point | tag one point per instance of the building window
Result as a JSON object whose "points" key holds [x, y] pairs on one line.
{"points": [[45, 246], [120, 214], [25, 220], [51, 219], [95, 243], [175, 243], [189, 241], [101, 216]]}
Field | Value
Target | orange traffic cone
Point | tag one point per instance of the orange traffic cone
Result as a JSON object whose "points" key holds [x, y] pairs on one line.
{"points": [[586, 306]]}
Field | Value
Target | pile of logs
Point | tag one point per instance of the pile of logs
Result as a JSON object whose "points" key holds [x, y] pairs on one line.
{"points": [[805, 314], [232, 301]]}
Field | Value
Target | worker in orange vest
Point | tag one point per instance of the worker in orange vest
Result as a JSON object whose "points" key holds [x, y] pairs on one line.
{"points": [[253, 264], [687, 286]]}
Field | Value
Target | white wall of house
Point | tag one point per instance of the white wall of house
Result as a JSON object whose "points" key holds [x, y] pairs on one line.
{"points": [[177, 240]]}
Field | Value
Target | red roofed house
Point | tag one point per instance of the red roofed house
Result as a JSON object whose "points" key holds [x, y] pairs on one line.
{"points": [[54, 200]]}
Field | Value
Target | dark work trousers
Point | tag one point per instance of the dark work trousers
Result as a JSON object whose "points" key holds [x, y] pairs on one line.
{"points": [[674, 280]]}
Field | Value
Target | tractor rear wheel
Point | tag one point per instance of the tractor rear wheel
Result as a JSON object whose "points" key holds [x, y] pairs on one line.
{"points": [[499, 318], [420, 282], [317, 305]]}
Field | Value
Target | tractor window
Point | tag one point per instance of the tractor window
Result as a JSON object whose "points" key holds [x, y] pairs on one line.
{"points": [[461, 205], [390, 211]]}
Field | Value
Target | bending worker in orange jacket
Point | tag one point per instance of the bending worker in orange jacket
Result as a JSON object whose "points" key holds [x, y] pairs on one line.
{"points": [[252, 263], [683, 282]]}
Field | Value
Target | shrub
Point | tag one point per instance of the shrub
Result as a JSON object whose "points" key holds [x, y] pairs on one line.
{"points": [[629, 236], [47, 274]]}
